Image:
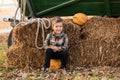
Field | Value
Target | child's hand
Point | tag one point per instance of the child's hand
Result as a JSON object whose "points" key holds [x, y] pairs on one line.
{"points": [[55, 48], [52, 47]]}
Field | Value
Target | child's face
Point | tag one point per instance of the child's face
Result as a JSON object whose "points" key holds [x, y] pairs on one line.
{"points": [[58, 27]]}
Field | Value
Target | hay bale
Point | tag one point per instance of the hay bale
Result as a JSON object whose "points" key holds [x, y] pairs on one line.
{"points": [[96, 43], [26, 34], [24, 57], [99, 44]]}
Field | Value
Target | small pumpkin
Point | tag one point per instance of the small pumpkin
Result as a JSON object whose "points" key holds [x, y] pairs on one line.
{"points": [[55, 64], [80, 18]]}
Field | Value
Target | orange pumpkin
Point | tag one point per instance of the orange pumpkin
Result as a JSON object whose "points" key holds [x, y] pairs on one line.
{"points": [[55, 64], [80, 18]]}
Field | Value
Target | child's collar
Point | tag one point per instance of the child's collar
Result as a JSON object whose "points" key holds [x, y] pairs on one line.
{"points": [[62, 33]]}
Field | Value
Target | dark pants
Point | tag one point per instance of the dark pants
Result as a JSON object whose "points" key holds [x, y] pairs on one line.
{"points": [[62, 55]]}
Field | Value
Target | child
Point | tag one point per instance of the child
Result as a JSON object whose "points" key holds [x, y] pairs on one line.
{"points": [[56, 44]]}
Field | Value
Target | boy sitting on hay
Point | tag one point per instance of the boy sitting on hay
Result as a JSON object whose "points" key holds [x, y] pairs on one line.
{"points": [[56, 44]]}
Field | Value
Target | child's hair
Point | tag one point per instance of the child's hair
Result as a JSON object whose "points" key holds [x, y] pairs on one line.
{"points": [[56, 20]]}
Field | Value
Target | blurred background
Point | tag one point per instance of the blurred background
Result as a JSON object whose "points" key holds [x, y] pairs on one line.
{"points": [[7, 10]]}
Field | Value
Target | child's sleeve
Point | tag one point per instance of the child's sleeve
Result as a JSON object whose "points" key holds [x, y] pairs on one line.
{"points": [[45, 45], [65, 46]]}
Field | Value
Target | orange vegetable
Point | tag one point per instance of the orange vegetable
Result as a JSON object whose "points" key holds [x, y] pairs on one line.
{"points": [[55, 64], [80, 18]]}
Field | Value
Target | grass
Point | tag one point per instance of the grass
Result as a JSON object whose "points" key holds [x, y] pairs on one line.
{"points": [[3, 47]]}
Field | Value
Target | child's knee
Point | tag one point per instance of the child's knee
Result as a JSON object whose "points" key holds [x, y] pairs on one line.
{"points": [[49, 50]]}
